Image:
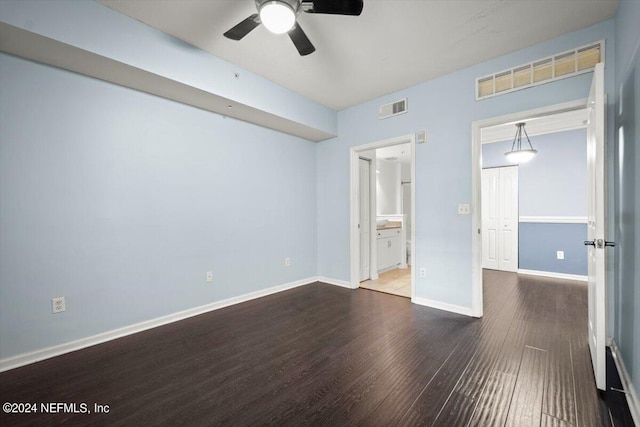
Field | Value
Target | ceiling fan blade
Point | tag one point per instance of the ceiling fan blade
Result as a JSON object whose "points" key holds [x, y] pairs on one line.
{"points": [[243, 28], [301, 41], [337, 7]]}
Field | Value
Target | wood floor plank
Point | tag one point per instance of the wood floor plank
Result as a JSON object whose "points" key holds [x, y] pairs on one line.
{"points": [[590, 408], [549, 421], [559, 399], [435, 394], [526, 404], [493, 405]]}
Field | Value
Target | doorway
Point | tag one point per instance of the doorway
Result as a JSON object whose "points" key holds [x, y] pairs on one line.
{"points": [[382, 244], [593, 113], [502, 128]]}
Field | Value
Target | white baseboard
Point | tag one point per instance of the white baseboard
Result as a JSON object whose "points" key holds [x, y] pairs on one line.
{"points": [[627, 385], [335, 282], [442, 306], [57, 350], [554, 275]]}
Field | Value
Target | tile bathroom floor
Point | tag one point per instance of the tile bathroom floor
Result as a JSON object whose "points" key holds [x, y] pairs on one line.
{"points": [[395, 282]]}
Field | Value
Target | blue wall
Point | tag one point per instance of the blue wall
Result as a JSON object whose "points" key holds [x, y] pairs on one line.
{"points": [[121, 201], [627, 189], [445, 107], [553, 183], [540, 241]]}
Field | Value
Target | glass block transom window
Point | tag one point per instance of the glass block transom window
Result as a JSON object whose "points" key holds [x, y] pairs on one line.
{"points": [[560, 66]]}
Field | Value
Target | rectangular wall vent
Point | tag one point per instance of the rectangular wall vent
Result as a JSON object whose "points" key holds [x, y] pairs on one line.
{"points": [[545, 70], [392, 109]]}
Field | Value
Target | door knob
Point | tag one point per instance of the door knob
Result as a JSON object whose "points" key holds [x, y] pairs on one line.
{"points": [[590, 243]]}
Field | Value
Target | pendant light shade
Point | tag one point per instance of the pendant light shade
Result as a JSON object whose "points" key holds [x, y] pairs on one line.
{"points": [[517, 153]]}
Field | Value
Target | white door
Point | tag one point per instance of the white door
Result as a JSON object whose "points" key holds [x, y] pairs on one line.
{"points": [[596, 225], [490, 224], [508, 223], [365, 218], [500, 218]]}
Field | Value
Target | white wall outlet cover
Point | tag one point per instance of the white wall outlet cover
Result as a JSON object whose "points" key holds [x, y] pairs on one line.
{"points": [[560, 254], [464, 209], [287, 262], [209, 276], [58, 305], [423, 272]]}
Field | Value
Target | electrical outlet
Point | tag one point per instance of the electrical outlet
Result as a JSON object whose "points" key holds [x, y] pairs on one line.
{"points": [[209, 276], [287, 262], [423, 272], [560, 254], [58, 305], [464, 209]]}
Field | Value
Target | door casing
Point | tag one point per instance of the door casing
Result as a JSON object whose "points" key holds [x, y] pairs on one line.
{"points": [[476, 186], [354, 246]]}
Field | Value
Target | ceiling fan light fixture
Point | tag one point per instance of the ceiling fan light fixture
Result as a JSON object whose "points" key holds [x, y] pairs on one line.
{"points": [[277, 16]]}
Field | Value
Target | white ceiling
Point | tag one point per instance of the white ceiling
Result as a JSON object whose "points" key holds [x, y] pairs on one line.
{"points": [[401, 151], [394, 43]]}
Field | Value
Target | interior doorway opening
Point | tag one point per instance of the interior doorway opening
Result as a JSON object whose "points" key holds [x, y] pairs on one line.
{"points": [[596, 196], [502, 128], [382, 216]]}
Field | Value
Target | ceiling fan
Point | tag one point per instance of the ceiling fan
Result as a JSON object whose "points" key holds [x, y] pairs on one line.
{"points": [[279, 17]]}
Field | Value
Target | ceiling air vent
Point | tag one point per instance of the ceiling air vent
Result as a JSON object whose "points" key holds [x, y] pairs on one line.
{"points": [[392, 109]]}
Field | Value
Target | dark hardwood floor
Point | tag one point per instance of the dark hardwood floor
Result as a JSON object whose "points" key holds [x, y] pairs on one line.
{"points": [[324, 355]]}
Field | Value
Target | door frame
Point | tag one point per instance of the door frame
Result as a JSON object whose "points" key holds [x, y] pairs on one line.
{"points": [[354, 241], [476, 185]]}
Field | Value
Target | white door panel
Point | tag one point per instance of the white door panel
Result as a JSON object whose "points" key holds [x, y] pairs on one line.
{"points": [[500, 218], [596, 226], [490, 218], [508, 209], [492, 254], [365, 220]]}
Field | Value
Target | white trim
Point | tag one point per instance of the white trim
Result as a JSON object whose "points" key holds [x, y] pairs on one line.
{"points": [[354, 240], [627, 384], [531, 63], [553, 275], [555, 219], [57, 350], [476, 179], [335, 282], [570, 120], [443, 306]]}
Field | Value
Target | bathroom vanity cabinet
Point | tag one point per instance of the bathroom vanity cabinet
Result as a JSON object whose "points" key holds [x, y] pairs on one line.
{"points": [[389, 248]]}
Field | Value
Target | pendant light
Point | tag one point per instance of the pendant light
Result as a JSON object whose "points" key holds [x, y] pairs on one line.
{"points": [[517, 153]]}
